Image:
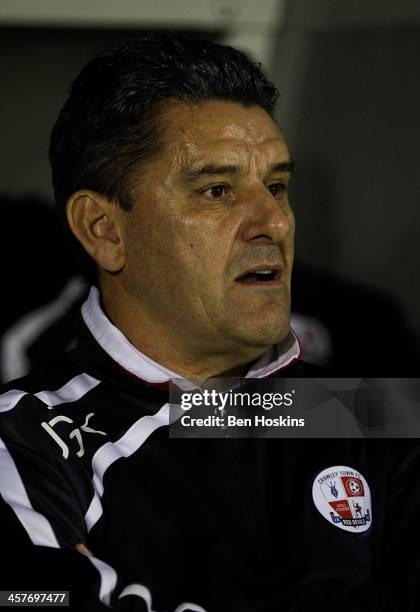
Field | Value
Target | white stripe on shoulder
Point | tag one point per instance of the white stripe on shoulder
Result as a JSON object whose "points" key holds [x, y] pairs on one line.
{"points": [[71, 391], [128, 444], [14, 493], [9, 400]]}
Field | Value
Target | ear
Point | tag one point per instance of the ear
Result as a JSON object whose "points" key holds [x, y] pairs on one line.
{"points": [[95, 222]]}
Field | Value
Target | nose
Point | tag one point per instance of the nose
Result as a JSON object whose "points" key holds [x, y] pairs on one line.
{"points": [[266, 219]]}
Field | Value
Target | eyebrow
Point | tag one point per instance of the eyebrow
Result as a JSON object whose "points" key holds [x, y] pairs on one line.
{"points": [[212, 170]]}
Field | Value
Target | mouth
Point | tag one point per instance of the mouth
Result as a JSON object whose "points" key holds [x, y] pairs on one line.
{"points": [[264, 276]]}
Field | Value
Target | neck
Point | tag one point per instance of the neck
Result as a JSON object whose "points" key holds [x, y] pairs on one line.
{"points": [[166, 348]]}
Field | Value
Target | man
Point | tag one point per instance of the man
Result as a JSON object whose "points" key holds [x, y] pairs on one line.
{"points": [[173, 176]]}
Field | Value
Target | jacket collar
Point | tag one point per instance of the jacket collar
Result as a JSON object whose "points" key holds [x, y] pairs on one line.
{"points": [[127, 356]]}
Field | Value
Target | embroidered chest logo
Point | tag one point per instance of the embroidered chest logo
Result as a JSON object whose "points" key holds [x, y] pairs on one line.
{"points": [[341, 494], [76, 433]]}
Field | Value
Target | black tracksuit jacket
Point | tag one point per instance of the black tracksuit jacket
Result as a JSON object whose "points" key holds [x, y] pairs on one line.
{"points": [[189, 524]]}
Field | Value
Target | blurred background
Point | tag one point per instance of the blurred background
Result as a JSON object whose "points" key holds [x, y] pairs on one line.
{"points": [[348, 75]]}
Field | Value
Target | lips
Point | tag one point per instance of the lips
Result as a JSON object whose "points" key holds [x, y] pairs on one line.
{"points": [[261, 275]]}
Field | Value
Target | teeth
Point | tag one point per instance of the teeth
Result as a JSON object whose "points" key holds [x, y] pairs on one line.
{"points": [[263, 272]]}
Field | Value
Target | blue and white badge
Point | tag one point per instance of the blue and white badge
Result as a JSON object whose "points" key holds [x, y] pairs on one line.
{"points": [[342, 495]]}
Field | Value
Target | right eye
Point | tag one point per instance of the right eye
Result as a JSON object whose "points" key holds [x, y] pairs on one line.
{"points": [[216, 192]]}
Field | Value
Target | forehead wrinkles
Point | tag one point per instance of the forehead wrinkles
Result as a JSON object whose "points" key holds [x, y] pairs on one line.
{"points": [[218, 129], [248, 155], [253, 131]]}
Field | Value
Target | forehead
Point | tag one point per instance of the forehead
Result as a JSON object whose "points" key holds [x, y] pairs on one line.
{"points": [[221, 131]]}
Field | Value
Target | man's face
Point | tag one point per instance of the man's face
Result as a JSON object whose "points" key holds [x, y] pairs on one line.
{"points": [[209, 241]]}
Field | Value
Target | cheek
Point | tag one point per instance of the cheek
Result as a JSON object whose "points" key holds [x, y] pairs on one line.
{"points": [[195, 257], [204, 239], [192, 269], [203, 258], [152, 233]]}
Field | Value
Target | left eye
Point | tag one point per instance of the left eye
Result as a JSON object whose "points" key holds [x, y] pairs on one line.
{"points": [[276, 188]]}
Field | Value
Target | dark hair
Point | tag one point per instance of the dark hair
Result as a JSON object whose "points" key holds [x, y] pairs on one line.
{"points": [[112, 119]]}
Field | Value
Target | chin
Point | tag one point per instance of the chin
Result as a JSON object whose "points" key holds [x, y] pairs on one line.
{"points": [[265, 334]]}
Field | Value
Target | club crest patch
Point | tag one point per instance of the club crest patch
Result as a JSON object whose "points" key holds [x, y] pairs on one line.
{"points": [[341, 494]]}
